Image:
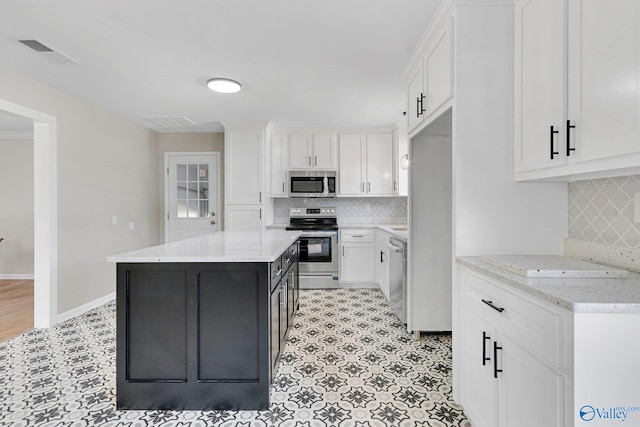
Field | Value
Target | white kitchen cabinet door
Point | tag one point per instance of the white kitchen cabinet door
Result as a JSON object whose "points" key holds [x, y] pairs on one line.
{"points": [[356, 262], [352, 156], [416, 101], [381, 262], [379, 165], [244, 156], [604, 78], [479, 387], [540, 90], [438, 78], [243, 218], [531, 393], [300, 150], [324, 151], [279, 151]]}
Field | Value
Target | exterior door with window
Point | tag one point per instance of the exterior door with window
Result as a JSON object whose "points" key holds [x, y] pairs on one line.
{"points": [[192, 195]]}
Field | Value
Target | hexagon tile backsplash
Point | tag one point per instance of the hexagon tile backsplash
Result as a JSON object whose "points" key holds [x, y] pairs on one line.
{"points": [[601, 211]]}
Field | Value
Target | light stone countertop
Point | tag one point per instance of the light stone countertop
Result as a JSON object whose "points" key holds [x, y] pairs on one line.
{"points": [[221, 246], [578, 295], [388, 228]]}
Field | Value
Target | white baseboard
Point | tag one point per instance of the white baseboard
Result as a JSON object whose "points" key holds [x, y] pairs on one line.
{"points": [[16, 276], [85, 307]]}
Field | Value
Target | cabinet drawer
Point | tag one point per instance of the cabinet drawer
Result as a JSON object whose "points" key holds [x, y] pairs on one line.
{"points": [[534, 326], [276, 272], [357, 235]]}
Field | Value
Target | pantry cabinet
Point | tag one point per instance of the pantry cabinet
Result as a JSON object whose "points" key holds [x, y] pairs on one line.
{"points": [[244, 164], [432, 83], [577, 87], [279, 164], [366, 165], [312, 151]]}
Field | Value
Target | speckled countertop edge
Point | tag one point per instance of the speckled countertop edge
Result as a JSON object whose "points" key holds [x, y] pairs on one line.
{"points": [[578, 295]]}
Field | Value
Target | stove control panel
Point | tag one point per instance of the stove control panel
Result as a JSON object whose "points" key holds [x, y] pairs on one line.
{"points": [[312, 212]]}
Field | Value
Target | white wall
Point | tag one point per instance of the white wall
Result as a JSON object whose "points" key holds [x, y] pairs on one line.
{"points": [[106, 166], [189, 142], [16, 208]]}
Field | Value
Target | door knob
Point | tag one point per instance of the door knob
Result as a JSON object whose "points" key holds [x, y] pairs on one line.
{"points": [[213, 214], [213, 221]]}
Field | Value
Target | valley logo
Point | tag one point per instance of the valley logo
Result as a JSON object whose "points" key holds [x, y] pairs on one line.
{"points": [[618, 413]]}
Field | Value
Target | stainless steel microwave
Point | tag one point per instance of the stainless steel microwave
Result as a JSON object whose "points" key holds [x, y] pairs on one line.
{"points": [[312, 184]]}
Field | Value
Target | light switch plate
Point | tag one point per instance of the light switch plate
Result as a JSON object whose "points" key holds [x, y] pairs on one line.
{"points": [[636, 208]]}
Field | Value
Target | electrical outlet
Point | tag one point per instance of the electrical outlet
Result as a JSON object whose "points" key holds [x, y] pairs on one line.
{"points": [[636, 208]]}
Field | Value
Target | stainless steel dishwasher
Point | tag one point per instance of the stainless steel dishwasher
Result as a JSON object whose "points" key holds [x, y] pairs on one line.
{"points": [[398, 277]]}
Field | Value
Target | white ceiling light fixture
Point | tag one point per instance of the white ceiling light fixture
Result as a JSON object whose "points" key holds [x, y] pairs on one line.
{"points": [[223, 85]]}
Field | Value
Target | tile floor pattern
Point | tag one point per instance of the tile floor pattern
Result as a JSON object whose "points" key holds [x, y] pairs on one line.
{"points": [[348, 363]]}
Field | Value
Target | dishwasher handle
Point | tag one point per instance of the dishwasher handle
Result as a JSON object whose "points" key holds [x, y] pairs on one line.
{"points": [[394, 248]]}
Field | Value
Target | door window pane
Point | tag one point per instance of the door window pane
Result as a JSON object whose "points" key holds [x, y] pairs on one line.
{"points": [[192, 192]]}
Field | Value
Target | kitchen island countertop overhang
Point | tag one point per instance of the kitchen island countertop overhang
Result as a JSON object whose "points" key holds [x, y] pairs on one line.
{"points": [[221, 246]]}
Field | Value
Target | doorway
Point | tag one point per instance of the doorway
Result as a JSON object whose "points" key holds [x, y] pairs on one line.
{"points": [[192, 194], [45, 212]]}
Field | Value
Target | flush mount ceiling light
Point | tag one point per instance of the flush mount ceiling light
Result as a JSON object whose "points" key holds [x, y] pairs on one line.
{"points": [[222, 85]]}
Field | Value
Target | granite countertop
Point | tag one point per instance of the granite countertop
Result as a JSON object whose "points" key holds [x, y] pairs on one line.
{"points": [[578, 295], [221, 246]]}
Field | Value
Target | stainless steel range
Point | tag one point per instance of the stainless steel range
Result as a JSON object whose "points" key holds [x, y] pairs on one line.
{"points": [[318, 265]]}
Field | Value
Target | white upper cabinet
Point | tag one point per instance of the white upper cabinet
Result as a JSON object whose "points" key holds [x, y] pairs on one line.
{"points": [[351, 176], [278, 157], [432, 84], [366, 165], [540, 94], [577, 88], [312, 151], [244, 156]]}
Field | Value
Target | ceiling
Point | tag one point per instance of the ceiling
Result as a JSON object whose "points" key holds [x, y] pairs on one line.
{"points": [[302, 63]]}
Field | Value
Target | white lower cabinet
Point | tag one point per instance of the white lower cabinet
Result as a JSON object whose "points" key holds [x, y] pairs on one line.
{"points": [[356, 255], [513, 364], [381, 261]]}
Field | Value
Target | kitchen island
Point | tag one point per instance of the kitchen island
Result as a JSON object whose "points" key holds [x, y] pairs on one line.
{"points": [[201, 322]]}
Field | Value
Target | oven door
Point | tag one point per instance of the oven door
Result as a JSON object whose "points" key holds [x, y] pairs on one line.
{"points": [[318, 252]]}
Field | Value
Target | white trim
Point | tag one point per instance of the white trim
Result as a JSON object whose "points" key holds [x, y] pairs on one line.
{"points": [[45, 165], [77, 311], [16, 276], [15, 135]]}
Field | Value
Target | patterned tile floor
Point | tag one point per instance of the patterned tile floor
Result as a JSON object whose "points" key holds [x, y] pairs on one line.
{"points": [[348, 363]]}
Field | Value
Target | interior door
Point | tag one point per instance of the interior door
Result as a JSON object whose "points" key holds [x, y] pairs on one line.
{"points": [[192, 195]]}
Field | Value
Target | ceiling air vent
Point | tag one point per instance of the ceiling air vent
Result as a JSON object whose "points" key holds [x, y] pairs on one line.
{"points": [[46, 52], [172, 125]]}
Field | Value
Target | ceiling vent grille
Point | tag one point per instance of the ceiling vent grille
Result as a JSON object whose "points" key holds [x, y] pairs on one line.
{"points": [[46, 52], [172, 125]]}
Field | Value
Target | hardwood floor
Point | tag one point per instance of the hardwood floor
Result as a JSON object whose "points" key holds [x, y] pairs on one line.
{"points": [[16, 307]]}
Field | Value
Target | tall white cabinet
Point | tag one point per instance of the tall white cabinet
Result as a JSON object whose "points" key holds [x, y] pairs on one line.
{"points": [[577, 87], [245, 167]]}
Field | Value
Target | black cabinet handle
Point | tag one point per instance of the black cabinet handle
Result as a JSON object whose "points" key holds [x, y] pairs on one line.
{"points": [[381, 260], [551, 132], [418, 107], [569, 127], [495, 359], [422, 110], [485, 337], [490, 304]]}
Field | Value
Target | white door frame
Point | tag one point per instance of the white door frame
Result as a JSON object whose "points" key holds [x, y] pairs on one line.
{"points": [[45, 174], [167, 156]]}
